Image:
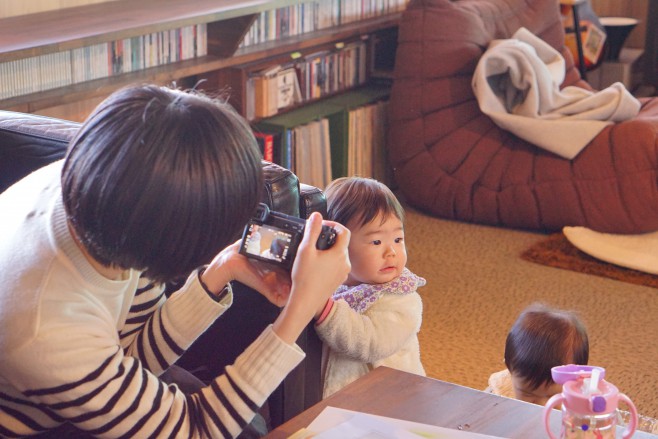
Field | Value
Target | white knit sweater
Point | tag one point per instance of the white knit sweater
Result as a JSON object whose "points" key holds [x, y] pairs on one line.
{"points": [[385, 334], [81, 348]]}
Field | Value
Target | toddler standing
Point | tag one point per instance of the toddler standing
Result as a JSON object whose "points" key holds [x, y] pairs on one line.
{"points": [[375, 316]]}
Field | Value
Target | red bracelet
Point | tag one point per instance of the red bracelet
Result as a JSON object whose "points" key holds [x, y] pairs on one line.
{"points": [[325, 311]]}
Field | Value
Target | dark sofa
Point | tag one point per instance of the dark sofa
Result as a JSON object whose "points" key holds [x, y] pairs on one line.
{"points": [[28, 142]]}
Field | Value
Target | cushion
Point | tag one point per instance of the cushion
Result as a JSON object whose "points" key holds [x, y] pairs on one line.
{"points": [[631, 251]]}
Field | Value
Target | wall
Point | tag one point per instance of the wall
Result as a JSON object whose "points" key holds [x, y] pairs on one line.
{"points": [[626, 8], [12, 8]]}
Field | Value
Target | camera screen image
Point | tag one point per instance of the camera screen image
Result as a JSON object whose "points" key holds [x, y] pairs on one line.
{"points": [[267, 242], [274, 237]]}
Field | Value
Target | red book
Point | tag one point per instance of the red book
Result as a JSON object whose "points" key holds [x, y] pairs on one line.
{"points": [[266, 145]]}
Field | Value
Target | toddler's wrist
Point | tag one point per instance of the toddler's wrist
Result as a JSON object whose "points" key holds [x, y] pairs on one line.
{"points": [[325, 311]]}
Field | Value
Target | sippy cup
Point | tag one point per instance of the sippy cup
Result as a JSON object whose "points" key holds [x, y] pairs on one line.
{"points": [[589, 404]]}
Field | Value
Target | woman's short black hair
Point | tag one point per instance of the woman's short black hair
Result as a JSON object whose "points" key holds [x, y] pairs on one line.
{"points": [[160, 180], [361, 199], [541, 338]]}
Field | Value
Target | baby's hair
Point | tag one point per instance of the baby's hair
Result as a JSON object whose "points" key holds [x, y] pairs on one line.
{"points": [[277, 247], [541, 338], [160, 180], [360, 199]]}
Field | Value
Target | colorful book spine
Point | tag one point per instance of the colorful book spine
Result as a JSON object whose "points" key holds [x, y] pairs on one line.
{"points": [[45, 72], [312, 16], [266, 145]]}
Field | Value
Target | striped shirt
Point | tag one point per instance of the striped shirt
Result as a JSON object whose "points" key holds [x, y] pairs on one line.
{"points": [[81, 348]]}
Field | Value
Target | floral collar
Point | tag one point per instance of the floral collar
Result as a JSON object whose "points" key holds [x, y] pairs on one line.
{"points": [[361, 297]]}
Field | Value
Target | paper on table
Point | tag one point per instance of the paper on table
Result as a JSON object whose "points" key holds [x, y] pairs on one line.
{"points": [[335, 423], [362, 426]]}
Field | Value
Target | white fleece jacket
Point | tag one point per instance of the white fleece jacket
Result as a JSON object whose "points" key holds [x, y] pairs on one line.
{"points": [[385, 334]]}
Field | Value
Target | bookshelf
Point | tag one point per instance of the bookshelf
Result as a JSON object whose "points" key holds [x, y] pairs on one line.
{"points": [[227, 22], [355, 137], [226, 54]]}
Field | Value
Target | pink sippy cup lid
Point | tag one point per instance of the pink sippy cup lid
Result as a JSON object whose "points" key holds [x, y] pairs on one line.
{"points": [[572, 372]]}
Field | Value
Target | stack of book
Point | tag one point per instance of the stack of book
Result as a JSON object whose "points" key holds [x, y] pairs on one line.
{"points": [[270, 90], [312, 16], [312, 152], [340, 136], [314, 76], [366, 139], [45, 72]]}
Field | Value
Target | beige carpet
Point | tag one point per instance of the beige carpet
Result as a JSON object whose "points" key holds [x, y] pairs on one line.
{"points": [[477, 283]]}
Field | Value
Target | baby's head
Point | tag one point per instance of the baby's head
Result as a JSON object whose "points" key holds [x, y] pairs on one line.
{"points": [[541, 338], [374, 216], [277, 247]]}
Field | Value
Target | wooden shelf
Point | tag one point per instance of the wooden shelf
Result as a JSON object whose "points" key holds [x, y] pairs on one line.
{"points": [[64, 29], [318, 38], [358, 54], [176, 71]]}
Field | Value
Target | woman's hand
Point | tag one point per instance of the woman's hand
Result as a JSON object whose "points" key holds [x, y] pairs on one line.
{"points": [[316, 274], [230, 265]]}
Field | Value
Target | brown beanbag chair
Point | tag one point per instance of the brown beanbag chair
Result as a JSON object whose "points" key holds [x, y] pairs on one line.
{"points": [[452, 161]]}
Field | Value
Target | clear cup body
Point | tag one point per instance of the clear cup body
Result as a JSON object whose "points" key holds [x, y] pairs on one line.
{"points": [[578, 426], [644, 423]]}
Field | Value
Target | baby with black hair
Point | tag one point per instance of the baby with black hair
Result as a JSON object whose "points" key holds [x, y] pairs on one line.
{"points": [[541, 337]]}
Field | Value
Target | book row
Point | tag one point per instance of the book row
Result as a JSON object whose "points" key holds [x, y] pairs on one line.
{"points": [[344, 141], [308, 17], [45, 72], [314, 76]]}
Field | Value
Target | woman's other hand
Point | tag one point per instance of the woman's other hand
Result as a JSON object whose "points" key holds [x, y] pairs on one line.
{"points": [[230, 265], [316, 274]]}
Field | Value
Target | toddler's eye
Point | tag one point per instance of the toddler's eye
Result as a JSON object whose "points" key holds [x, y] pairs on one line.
{"points": [[398, 240], [376, 242]]}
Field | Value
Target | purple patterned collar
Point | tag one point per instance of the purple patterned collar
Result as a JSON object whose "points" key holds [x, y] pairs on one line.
{"points": [[361, 297]]}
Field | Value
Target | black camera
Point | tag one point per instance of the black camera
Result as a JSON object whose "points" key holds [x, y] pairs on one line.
{"points": [[274, 237]]}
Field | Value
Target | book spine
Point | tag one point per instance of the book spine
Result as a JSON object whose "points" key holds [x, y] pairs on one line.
{"points": [[266, 144]]}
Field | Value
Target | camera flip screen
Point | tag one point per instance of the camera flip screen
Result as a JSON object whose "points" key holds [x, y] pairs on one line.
{"points": [[267, 242], [274, 237]]}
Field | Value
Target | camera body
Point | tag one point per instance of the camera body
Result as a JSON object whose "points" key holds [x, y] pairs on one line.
{"points": [[274, 237]]}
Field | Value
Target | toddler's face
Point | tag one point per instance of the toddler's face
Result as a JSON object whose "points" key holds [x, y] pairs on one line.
{"points": [[377, 251], [540, 395]]}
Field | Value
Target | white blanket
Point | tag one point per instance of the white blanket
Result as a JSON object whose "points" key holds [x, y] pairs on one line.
{"points": [[517, 84]]}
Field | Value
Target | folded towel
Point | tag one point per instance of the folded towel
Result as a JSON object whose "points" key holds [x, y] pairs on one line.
{"points": [[517, 84]]}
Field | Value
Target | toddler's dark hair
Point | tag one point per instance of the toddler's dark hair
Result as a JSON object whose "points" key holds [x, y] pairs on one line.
{"points": [[541, 338], [160, 180], [277, 247], [361, 199]]}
